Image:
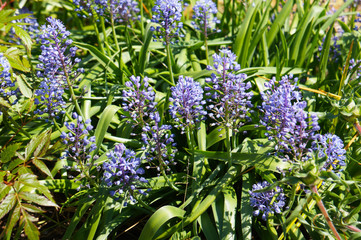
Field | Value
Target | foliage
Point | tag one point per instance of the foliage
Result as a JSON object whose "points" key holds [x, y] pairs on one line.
{"points": [[180, 120]]}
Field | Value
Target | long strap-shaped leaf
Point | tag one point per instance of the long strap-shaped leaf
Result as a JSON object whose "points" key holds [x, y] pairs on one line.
{"points": [[161, 216]]}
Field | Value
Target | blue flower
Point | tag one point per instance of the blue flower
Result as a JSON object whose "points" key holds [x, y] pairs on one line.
{"points": [[167, 13], [56, 66], [286, 121], [204, 19], [122, 170], [123, 10], [138, 100], [79, 143], [187, 102], [331, 147], [159, 143], [7, 84], [230, 100], [31, 27], [266, 202]]}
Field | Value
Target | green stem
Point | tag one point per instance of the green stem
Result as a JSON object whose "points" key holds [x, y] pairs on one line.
{"points": [[141, 19], [228, 146], [105, 35], [146, 206], [168, 181], [169, 62], [98, 36]]}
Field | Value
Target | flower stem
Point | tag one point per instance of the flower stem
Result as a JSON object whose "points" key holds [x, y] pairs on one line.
{"points": [[105, 35], [324, 211], [169, 62], [98, 36]]}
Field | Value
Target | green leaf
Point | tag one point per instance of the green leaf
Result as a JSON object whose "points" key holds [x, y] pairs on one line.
{"points": [[36, 198], [324, 54], [80, 211], [24, 36], [42, 167], [229, 214], [30, 180], [4, 14], [103, 124], [160, 217], [7, 204], [31, 208], [102, 59], [208, 227], [30, 229], [35, 143], [24, 86], [9, 152], [246, 209], [12, 220], [4, 190]]}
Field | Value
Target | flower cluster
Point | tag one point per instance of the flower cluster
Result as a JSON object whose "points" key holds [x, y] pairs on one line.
{"points": [[138, 99], [204, 18], [80, 145], [331, 147], [7, 85], [29, 24], [122, 170], [167, 13], [229, 99], [335, 49], [123, 10], [56, 67], [285, 118], [159, 143], [89, 6], [266, 202], [187, 102]]}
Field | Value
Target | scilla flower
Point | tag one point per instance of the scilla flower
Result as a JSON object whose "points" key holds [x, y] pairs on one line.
{"points": [[7, 84], [204, 16]]}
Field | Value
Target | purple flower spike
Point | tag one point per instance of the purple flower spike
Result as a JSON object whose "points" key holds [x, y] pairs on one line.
{"points": [[331, 147], [268, 202], [56, 65], [7, 85], [167, 13], [229, 99], [204, 19], [285, 119], [138, 99], [80, 145], [123, 11], [187, 102], [159, 142], [122, 170]]}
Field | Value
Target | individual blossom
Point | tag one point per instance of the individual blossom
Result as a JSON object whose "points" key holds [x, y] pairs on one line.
{"points": [[159, 143], [266, 202], [138, 100], [56, 67], [285, 118], [167, 14], [29, 24], [331, 147], [7, 84], [122, 171], [230, 100], [204, 16], [187, 103], [79, 142]]}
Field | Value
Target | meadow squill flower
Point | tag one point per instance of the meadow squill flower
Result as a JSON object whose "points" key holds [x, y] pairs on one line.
{"points": [[285, 119], [123, 11], [90, 7], [187, 103], [230, 102], [7, 84], [138, 100], [167, 13], [79, 143], [56, 67], [331, 147], [204, 16], [31, 27], [159, 143], [122, 171], [267, 202]]}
